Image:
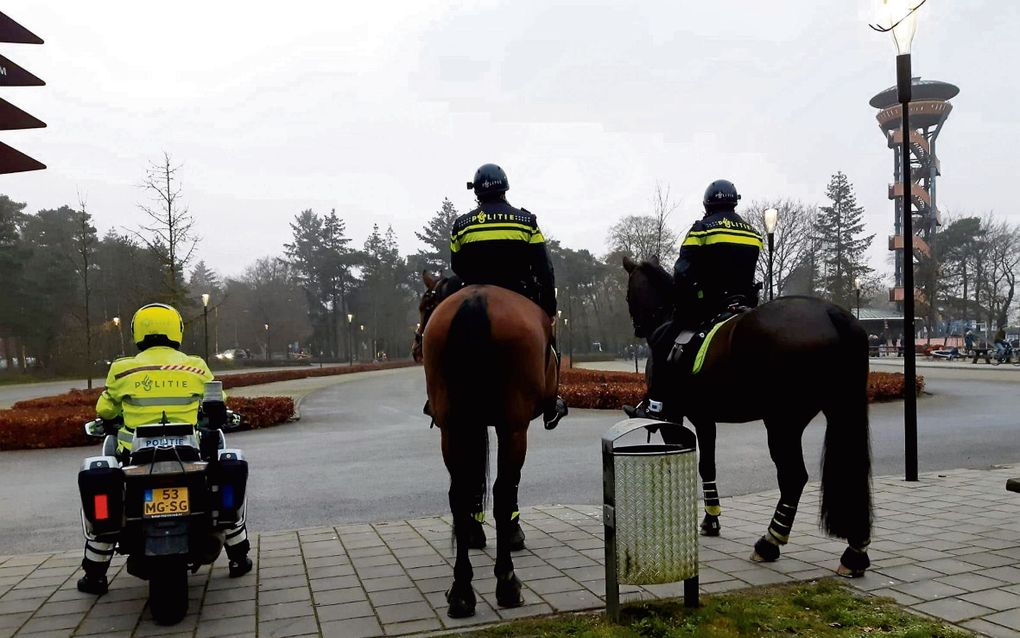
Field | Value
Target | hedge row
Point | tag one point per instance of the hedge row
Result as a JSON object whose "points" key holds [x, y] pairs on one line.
{"points": [[600, 390], [61, 425]]}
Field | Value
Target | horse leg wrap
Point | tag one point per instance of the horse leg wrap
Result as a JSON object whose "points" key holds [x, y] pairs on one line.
{"points": [[712, 507], [509, 536], [462, 571], [782, 522]]}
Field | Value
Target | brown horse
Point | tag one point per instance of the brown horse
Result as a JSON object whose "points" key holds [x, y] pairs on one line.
{"points": [[783, 363], [487, 363]]}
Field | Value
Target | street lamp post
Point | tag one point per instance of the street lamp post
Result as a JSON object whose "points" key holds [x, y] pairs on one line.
{"points": [[900, 18], [771, 219], [350, 338], [267, 341], [857, 287], [205, 320], [116, 322]]}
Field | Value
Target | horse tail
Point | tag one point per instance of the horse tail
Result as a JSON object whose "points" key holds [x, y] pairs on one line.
{"points": [[846, 510], [467, 356]]}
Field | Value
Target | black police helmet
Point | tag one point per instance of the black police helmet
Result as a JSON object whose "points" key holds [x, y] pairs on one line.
{"points": [[721, 195], [489, 180]]}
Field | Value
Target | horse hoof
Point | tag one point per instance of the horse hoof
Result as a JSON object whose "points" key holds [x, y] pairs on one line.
{"points": [[853, 563], [462, 601], [764, 551], [710, 526], [517, 539], [508, 591], [476, 535]]}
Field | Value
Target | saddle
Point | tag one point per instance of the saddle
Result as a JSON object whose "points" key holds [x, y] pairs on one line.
{"points": [[689, 342]]}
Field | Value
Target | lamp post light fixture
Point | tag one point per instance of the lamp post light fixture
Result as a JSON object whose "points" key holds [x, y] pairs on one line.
{"points": [[205, 320], [900, 18], [267, 342], [771, 219], [857, 287], [350, 338], [116, 322]]}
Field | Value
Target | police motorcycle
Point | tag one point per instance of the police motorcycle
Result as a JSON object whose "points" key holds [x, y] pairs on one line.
{"points": [[167, 503]]}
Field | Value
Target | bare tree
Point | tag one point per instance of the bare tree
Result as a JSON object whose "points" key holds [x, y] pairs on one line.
{"points": [[1003, 264], [665, 238], [169, 231], [635, 235], [793, 242]]}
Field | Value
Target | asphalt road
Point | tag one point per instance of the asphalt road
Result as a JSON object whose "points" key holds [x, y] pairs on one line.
{"points": [[10, 394], [364, 452]]}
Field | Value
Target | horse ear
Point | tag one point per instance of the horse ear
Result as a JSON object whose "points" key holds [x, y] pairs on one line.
{"points": [[655, 260], [429, 279], [629, 264]]}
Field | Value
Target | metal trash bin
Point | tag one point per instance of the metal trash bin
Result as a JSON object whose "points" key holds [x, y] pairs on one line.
{"points": [[650, 510]]}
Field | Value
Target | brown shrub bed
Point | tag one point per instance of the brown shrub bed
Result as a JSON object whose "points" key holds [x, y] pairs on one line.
{"points": [[59, 425], [56, 421], [602, 390]]}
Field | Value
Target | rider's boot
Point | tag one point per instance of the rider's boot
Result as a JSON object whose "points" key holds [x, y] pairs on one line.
{"points": [[239, 563], [555, 411], [647, 409], [94, 581], [427, 409], [557, 408]]}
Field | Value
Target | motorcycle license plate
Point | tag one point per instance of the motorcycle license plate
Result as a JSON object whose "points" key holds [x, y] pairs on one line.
{"points": [[166, 501]]}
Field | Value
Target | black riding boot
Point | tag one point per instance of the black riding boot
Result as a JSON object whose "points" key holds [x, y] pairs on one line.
{"points": [[664, 377], [94, 581], [239, 564], [557, 408]]}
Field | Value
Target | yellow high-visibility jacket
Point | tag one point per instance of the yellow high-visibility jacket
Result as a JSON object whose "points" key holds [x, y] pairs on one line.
{"points": [[155, 381]]}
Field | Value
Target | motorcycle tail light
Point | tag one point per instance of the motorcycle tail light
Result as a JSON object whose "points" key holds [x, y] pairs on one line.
{"points": [[102, 507], [228, 496]]}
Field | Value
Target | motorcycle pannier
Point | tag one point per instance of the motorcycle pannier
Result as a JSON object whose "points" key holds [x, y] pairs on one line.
{"points": [[101, 484], [228, 480]]}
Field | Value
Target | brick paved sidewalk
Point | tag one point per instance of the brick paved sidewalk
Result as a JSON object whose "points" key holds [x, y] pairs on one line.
{"points": [[945, 546]]}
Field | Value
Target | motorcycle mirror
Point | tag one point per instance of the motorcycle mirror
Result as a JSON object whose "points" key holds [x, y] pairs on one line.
{"points": [[95, 429], [233, 423]]}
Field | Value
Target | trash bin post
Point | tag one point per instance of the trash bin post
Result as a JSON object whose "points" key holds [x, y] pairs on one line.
{"points": [[660, 540]]}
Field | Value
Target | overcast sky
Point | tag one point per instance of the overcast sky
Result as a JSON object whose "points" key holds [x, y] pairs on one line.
{"points": [[381, 109]]}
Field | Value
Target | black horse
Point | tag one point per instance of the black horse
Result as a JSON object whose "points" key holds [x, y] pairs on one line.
{"points": [[782, 363]]}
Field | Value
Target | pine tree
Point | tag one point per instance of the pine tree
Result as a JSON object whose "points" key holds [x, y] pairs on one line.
{"points": [[436, 235], [840, 229], [203, 280]]}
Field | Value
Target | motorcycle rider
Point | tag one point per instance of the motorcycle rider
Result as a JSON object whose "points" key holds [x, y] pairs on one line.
{"points": [[159, 380], [500, 245], [716, 264]]}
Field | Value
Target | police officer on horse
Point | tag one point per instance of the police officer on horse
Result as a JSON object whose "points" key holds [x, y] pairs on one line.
{"points": [[714, 272], [500, 245]]}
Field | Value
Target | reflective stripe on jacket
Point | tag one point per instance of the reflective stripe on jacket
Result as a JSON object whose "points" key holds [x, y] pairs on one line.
{"points": [[157, 380], [501, 245], [717, 258]]}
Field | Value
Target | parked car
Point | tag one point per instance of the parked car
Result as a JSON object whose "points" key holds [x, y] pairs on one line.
{"points": [[238, 354]]}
